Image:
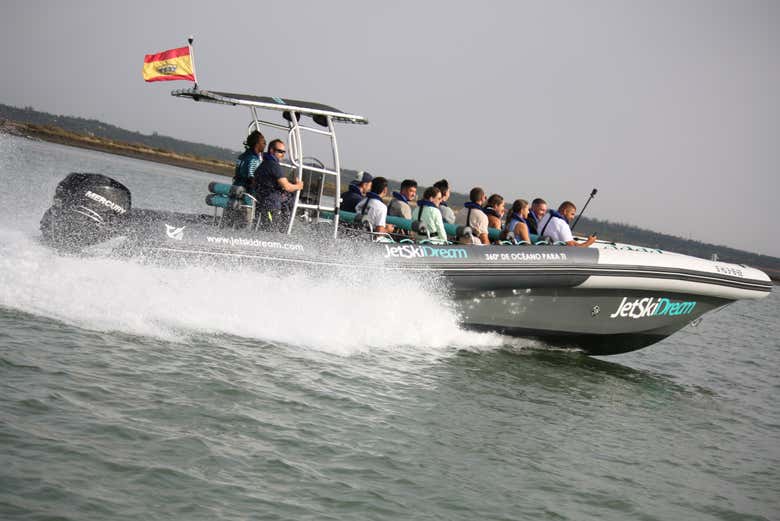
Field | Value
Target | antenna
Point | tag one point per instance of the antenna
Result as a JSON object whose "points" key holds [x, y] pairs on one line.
{"points": [[592, 195]]}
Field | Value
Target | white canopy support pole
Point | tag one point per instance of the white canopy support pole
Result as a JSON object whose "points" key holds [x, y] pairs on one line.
{"points": [[337, 169], [255, 120], [295, 144], [322, 115]]}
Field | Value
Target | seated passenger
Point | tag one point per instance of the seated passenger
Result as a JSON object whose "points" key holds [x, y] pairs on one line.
{"points": [[428, 213], [446, 212], [373, 206], [272, 188], [357, 190], [473, 216], [399, 204], [555, 225], [538, 210], [495, 211], [517, 221], [249, 160]]}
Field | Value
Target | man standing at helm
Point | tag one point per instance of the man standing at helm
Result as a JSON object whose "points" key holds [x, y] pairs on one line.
{"points": [[272, 188]]}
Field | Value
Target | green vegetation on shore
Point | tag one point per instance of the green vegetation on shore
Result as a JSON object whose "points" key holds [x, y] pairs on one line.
{"points": [[96, 135]]}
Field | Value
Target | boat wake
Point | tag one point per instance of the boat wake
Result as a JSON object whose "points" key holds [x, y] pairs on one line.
{"points": [[351, 313]]}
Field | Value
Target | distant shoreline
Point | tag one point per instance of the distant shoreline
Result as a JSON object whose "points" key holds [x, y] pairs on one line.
{"points": [[137, 151]]}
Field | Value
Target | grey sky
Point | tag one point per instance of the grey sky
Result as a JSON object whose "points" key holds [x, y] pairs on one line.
{"points": [[670, 109]]}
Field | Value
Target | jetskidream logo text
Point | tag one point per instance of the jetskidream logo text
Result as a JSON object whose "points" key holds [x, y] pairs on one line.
{"points": [[410, 251], [652, 307]]}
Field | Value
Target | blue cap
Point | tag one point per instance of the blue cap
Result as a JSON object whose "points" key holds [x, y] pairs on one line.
{"points": [[363, 177]]}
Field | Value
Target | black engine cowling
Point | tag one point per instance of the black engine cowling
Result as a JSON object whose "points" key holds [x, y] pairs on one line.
{"points": [[87, 209]]}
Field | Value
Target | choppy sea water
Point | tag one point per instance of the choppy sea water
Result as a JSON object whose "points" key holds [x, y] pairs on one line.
{"points": [[130, 391]]}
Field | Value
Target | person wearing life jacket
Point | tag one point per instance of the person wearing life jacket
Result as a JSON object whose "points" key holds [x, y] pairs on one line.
{"points": [[357, 190], [555, 225], [373, 206], [272, 188], [538, 210], [494, 208], [249, 160], [446, 212], [428, 213], [517, 221], [399, 204], [473, 215]]}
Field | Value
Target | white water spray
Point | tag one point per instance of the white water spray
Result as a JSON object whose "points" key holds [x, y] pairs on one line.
{"points": [[347, 314], [342, 315]]}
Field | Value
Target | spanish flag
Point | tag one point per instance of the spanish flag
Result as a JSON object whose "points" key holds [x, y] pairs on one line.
{"points": [[175, 64]]}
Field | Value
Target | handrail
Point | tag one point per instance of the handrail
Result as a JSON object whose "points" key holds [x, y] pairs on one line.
{"points": [[291, 111]]}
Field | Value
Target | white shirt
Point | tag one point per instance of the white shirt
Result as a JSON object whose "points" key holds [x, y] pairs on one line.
{"points": [[558, 229], [478, 222], [376, 212]]}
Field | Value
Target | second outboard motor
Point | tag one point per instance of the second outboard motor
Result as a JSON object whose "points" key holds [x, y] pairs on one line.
{"points": [[87, 209]]}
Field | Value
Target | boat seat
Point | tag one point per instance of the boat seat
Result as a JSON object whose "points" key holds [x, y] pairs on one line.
{"points": [[238, 207], [463, 233], [222, 201], [232, 191], [420, 231], [362, 222]]}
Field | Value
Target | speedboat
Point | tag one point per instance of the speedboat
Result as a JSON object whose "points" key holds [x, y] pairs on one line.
{"points": [[605, 299]]}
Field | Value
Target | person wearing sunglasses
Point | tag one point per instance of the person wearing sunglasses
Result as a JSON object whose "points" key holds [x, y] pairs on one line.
{"points": [[273, 189]]}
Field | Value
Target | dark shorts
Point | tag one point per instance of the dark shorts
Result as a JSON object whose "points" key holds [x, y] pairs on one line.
{"points": [[273, 220]]}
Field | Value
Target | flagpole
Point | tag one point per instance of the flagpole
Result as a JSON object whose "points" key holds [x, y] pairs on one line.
{"points": [[192, 59]]}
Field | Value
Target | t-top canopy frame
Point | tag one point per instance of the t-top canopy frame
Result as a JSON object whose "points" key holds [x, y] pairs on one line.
{"points": [[272, 103], [291, 110]]}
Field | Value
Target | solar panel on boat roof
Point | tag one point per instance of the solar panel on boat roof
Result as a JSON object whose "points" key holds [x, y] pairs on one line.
{"points": [[269, 102]]}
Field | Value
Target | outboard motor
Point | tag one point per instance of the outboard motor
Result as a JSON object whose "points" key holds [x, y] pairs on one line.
{"points": [[87, 209]]}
